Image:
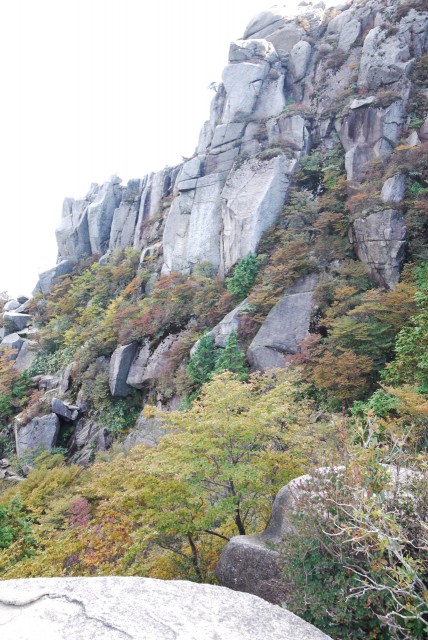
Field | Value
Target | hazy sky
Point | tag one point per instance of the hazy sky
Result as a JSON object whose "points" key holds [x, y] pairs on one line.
{"points": [[92, 88]]}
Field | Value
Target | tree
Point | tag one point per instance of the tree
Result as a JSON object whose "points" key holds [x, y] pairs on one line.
{"points": [[243, 277], [202, 362], [232, 358]]}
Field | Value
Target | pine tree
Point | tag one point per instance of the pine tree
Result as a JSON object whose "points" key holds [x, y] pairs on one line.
{"points": [[232, 358], [203, 361], [244, 277]]}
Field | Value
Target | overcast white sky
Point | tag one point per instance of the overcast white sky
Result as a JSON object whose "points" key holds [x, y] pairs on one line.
{"points": [[92, 88]]}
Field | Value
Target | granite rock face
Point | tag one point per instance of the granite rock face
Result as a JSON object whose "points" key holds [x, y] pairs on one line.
{"points": [[117, 608], [285, 327], [278, 97], [380, 242], [39, 433]]}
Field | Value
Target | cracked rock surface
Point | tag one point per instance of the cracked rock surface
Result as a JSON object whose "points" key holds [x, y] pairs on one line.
{"points": [[117, 608]]}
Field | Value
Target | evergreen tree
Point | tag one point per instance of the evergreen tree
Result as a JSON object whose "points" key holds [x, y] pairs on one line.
{"points": [[203, 361], [232, 358], [244, 277]]}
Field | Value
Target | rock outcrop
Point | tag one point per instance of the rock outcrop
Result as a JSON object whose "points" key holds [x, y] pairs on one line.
{"points": [[39, 433], [116, 608], [285, 327], [290, 83]]}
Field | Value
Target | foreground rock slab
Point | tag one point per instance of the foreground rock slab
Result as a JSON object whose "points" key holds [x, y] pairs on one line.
{"points": [[116, 608]]}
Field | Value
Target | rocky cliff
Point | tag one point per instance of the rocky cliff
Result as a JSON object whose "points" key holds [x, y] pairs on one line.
{"points": [[292, 85], [343, 87]]}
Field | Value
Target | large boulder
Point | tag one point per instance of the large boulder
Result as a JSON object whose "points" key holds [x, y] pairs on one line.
{"points": [[136, 372], [285, 327], [120, 364], [13, 343], [380, 241], [253, 564], [115, 608], [39, 433], [14, 321], [49, 278], [26, 355], [11, 305]]}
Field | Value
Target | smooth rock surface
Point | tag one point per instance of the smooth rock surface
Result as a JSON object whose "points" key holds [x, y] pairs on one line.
{"points": [[252, 199], [120, 364], [39, 433], [136, 372], [118, 608], [394, 188], [286, 325]]}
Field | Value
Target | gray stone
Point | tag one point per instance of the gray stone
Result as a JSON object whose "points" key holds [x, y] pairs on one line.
{"points": [[125, 216], [289, 131], [12, 342], [192, 230], [413, 140], [225, 133], [47, 382], [158, 361], [64, 411], [88, 439], [362, 102], [394, 188], [300, 55], [119, 608], [39, 433], [380, 241], [349, 35], [242, 50], [423, 131], [22, 299], [221, 332], [100, 214], [66, 377], [252, 199], [147, 432], [11, 305], [49, 278], [23, 308], [136, 372], [26, 355], [243, 83], [274, 26], [14, 321], [285, 327], [271, 99], [383, 60], [120, 364], [205, 138]]}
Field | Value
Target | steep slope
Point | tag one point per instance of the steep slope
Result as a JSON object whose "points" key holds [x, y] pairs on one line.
{"points": [[295, 239]]}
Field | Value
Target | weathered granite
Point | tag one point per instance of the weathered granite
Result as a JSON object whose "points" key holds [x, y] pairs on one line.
{"points": [[120, 364], [285, 327], [39, 433], [119, 608], [380, 241]]}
